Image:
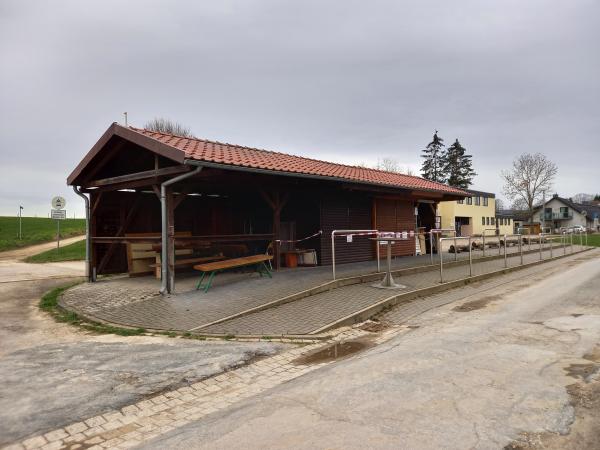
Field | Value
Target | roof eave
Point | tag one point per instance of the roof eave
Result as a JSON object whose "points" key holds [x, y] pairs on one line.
{"points": [[115, 129], [222, 166]]}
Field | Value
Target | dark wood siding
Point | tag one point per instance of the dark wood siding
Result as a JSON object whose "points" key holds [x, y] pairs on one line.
{"points": [[396, 216], [346, 212]]}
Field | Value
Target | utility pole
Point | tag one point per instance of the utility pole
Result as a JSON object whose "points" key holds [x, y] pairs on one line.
{"points": [[20, 217]]}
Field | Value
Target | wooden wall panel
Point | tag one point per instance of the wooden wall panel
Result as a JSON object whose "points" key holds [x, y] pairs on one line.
{"points": [[396, 216], [346, 211]]}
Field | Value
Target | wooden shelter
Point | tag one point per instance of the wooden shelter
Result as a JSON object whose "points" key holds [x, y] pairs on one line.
{"points": [[233, 200]]}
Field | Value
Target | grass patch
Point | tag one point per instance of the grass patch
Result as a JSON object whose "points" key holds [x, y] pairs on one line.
{"points": [[71, 252], [49, 304], [35, 230], [593, 240]]}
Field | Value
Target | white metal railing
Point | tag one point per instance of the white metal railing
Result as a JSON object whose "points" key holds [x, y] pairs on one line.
{"points": [[335, 233], [438, 231], [542, 238]]}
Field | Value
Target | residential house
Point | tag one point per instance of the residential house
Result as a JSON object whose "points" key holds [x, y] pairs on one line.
{"points": [[473, 215], [559, 212]]}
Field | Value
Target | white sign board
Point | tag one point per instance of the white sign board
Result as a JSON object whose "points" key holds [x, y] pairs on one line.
{"points": [[59, 203], [58, 214]]}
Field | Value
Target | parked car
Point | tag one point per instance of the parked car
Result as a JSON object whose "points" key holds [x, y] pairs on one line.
{"points": [[577, 229]]}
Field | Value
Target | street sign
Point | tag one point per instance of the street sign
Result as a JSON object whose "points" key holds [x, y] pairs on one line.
{"points": [[59, 202], [58, 214]]}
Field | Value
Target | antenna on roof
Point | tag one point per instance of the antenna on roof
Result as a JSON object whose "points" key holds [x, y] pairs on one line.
{"points": [[125, 114]]}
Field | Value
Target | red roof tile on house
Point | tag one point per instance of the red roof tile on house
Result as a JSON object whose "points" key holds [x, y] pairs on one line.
{"points": [[236, 155]]}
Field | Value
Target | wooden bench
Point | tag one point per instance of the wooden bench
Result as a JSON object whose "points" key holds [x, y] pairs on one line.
{"points": [[187, 262], [214, 267]]}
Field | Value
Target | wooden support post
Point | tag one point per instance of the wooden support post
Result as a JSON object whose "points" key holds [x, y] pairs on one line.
{"points": [[276, 231], [124, 224], [170, 239]]}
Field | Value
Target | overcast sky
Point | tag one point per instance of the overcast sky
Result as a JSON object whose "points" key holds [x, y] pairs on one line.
{"points": [[346, 81]]}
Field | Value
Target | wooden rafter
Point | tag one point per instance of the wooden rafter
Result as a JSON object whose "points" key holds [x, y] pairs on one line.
{"points": [[138, 176]]}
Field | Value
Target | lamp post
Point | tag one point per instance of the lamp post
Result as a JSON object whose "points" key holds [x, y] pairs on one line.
{"points": [[20, 228]]}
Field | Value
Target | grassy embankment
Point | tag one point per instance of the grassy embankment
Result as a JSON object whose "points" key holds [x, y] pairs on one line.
{"points": [[35, 230], [71, 252]]}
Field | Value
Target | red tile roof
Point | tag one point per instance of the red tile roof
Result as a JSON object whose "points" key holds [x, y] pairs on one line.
{"points": [[236, 155]]}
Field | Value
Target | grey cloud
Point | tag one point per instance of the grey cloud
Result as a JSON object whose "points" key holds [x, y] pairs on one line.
{"points": [[343, 80]]}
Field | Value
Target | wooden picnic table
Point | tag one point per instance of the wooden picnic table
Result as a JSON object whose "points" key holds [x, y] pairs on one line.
{"points": [[212, 268]]}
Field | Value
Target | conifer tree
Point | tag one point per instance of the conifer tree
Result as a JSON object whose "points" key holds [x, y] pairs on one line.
{"points": [[458, 166], [434, 154]]}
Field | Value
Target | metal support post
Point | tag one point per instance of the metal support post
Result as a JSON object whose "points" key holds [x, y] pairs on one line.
{"points": [[540, 238], [441, 267], [505, 259], [521, 247], [470, 258], [483, 239], [455, 249], [571, 238]]}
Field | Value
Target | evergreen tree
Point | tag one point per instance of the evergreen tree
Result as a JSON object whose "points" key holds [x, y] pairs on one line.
{"points": [[458, 166], [434, 154]]}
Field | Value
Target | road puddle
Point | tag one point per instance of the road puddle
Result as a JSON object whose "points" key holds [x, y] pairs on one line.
{"points": [[337, 351]]}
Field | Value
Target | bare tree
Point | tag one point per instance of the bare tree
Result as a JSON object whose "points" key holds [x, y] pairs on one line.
{"points": [[167, 126], [392, 165], [528, 178], [499, 204]]}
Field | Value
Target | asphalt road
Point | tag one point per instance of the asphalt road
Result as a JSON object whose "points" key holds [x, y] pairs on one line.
{"points": [[53, 374], [492, 369]]}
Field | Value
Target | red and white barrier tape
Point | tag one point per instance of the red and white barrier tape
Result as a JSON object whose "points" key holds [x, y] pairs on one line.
{"points": [[318, 233]]}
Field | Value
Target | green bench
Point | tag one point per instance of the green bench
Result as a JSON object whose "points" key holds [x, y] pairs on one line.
{"points": [[259, 261]]}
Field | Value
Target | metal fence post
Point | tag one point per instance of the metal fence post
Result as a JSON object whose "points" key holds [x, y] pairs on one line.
{"points": [[441, 264], [521, 247], [455, 249], [551, 248], [505, 260], [571, 238], [483, 238], [431, 245], [470, 258], [540, 238], [586, 242], [333, 253]]}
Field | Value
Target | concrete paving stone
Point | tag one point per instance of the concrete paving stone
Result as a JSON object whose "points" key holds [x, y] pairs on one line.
{"points": [[76, 428], [95, 421], [34, 442], [78, 437], [93, 431], [56, 435], [136, 302], [56, 445]]}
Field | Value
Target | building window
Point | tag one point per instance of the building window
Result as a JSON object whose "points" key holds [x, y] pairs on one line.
{"points": [[508, 221], [485, 201], [460, 202], [469, 200], [493, 221], [483, 221], [477, 201]]}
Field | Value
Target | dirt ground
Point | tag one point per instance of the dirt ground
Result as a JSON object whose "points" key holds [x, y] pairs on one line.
{"points": [[55, 374]]}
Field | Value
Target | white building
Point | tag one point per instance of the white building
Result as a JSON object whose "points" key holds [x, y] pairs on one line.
{"points": [[560, 212]]}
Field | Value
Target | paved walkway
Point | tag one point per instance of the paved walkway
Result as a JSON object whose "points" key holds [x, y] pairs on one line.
{"points": [[136, 424], [135, 301]]}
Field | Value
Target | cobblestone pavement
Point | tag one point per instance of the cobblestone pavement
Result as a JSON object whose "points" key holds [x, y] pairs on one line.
{"points": [[136, 424], [135, 302], [311, 313]]}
